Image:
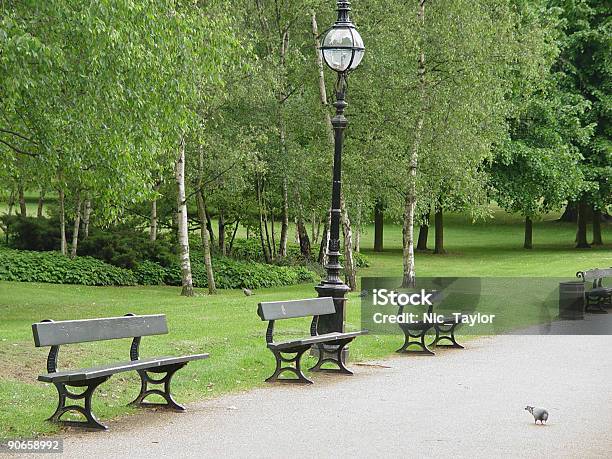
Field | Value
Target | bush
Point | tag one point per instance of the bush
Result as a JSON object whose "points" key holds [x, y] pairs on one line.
{"points": [[231, 273], [150, 273], [126, 248], [53, 267], [361, 261], [27, 233]]}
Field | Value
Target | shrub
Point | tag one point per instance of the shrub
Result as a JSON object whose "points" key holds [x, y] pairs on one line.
{"points": [[53, 267], [126, 248], [150, 273], [27, 233], [361, 261], [231, 273]]}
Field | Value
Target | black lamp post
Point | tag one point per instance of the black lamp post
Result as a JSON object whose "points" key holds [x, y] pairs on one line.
{"points": [[342, 51]]}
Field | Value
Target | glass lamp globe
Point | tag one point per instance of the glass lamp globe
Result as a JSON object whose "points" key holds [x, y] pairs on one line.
{"points": [[342, 48]]}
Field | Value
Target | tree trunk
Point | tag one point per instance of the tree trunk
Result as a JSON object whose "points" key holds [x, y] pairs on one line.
{"points": [[409, 277], [153, 224], [22, 204], [349, 261], [231, 244], [570, 214], [41, 204], [439, 226], [313, 228], [86, 217], [210, 276], [183, 224], [75, 228], [423, 234], [581, 235], [528, 233], [209, 227], [282, 248], [324, 240], [302, 231], [379, 225], [221, 232], [62, 212], [274, 253], [304, 239], [597, 239], [265, 219], [205, 236], [357, 244], [264, 246], [281, 98]]}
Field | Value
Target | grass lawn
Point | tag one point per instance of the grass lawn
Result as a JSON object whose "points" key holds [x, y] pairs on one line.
{"points": [[226, 325]]}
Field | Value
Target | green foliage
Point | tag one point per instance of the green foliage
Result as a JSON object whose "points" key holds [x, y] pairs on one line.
{"points": [[53, 267], [231, 273], [28, 233], [150, 273], [126, 247]]}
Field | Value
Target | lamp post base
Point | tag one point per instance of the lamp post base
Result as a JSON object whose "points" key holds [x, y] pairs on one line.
{"points": [[333, 322]]}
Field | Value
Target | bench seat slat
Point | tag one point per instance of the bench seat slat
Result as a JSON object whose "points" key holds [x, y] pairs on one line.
{"points": [[316, 339], [83, 374]]}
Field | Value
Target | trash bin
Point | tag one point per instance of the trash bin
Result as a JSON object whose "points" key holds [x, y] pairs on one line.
{"points": [[571, 300]]}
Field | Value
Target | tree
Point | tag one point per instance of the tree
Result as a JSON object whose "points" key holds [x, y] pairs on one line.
{"points": [[586, 68]]}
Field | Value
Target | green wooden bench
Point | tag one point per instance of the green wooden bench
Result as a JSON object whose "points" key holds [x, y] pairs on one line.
{"points": [[54, 334], [329, 345]]}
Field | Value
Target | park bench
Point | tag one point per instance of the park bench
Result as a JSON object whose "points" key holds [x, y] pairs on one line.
{"points": [[329, 345], [55, 334], [599, 295], [415, 332]]}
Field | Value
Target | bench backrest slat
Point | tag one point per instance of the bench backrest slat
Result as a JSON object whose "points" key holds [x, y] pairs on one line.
{"points": [[82, 331], [597, 273], [276, 310]]}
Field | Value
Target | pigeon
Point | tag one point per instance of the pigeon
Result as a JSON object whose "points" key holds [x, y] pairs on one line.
{"points": [[247, 292], [539, 414]]}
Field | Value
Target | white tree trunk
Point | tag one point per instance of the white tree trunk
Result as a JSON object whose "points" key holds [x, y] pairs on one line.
{"points": [[75, 228], [409, 276], [153, 223], [349, 261], [86, 217], [183, 229]]}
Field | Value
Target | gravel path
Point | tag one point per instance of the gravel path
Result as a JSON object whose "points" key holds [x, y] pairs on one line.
{"points": [[457, 404]]}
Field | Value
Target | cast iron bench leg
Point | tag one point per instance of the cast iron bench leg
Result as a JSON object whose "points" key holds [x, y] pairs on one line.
{"points": [[421, 344], [297, 370], [62, 408], [332, 353], [447, 332], [146, 379], [596, 307]]}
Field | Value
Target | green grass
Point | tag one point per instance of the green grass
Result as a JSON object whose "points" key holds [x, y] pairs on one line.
{"points": [[226, 325]]}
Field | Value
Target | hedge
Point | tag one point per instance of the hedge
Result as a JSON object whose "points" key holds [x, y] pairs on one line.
{"points": [[231, 273], [53, 267]]}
